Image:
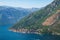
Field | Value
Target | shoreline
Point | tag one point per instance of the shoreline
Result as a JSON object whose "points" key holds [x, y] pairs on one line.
{"points": [[23, 31], [28, 32]]}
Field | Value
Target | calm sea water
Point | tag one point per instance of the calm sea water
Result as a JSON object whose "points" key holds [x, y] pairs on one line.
{"points": [[8, 35]]}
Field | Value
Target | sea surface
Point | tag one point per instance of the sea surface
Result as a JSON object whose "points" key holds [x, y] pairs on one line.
{"points": [[5, 34]]}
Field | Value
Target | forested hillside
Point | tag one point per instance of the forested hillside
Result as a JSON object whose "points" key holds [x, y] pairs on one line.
{"points": [[46, 20]]}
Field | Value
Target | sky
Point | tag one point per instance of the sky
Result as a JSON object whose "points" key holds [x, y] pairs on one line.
{"points": [[25, 3]]}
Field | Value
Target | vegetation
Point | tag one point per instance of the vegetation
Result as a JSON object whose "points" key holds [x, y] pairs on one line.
{"points": [[34, 21]]}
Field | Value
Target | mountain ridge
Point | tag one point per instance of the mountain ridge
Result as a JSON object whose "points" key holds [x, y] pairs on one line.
{"points": [[33, 22], [11, 15]]}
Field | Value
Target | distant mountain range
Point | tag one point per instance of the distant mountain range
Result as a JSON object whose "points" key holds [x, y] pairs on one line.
{"points": [[11, 15], [46, 20]]}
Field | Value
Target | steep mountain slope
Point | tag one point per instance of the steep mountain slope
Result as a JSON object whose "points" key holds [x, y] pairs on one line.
{"points": [[38, 22], [53, 23], [51, 20], [11, 15]]}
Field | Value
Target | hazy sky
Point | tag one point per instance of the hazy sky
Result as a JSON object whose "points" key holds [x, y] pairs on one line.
{"points": [[25, 3]]}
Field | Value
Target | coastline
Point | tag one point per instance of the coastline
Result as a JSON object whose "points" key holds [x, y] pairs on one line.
{"points": [[24, 31], [27, 31]]}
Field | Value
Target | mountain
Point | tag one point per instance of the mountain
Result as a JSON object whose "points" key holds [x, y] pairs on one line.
{"points": [[46, 20], [11, 15]]}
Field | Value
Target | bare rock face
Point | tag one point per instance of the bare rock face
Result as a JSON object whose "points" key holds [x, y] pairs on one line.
{"points": [[52, 19], [46, 20]]}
